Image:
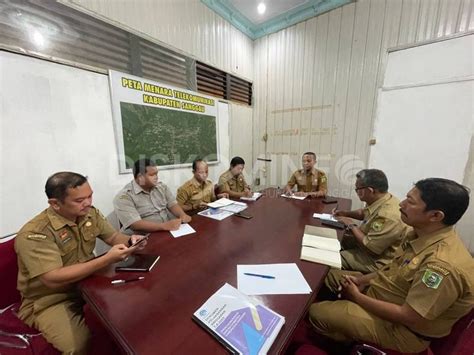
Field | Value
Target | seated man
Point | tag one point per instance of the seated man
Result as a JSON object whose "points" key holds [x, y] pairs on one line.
{"points": [[233, 182], [196, 193], [427, 287], [55, 251], [145, 204], [373, 242], [309, 180]]}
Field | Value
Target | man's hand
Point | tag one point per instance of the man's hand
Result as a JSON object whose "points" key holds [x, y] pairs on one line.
{"points": [[185, 218], [345, 220], [172, 225], [338, 213], [135, 238], [247, 192], [350, 288], [223, 195], [118, 253], [301, 193], [202, 205]]}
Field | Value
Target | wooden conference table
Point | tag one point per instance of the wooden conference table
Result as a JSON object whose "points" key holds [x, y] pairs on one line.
{"points": [[153, 316]]}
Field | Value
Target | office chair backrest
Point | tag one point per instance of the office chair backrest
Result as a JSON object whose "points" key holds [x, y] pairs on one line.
{"points": [[9, 267]]}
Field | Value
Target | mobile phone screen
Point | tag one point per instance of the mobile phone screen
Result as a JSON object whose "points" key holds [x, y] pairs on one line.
{"points": [[138, 242]]}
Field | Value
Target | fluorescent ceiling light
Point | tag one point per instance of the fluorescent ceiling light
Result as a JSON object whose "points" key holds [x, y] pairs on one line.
{"points": [[261, 8]]}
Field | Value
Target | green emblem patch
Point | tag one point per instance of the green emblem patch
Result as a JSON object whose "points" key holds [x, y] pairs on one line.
{"points": [[377, 226], [432, 279]]}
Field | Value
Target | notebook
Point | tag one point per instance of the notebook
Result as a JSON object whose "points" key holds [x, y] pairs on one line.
{"points": [[137, 262], [320, 245]]}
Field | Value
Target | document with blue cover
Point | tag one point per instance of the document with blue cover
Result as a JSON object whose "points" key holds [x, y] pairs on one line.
{"points": [[242, 325]]}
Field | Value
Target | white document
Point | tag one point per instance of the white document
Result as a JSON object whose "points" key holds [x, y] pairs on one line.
{"points": [[325, 217], [321, 243], [236, 207], [326, 257], [254, 197], [294, 197], [220, 203], [215, 214], [288, 279], [184, 229]]}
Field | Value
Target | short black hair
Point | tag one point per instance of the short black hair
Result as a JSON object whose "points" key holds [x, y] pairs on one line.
{"points": [[139, 167], [58, 183], [309, 153], [195, 163], [373, 178], [236, 161], [444, 195]]}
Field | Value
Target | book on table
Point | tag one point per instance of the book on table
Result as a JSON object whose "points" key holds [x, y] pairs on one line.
{"points": [[241, 324], [137, 262], [320, 245]]}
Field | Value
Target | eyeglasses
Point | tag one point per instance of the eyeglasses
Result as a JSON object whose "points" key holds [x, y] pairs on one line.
{"points": [[362, 187]]}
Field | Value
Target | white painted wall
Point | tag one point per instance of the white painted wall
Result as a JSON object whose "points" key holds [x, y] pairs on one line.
{"points": [[425, 117], [188, 25], [316, 82], [58, 118]]}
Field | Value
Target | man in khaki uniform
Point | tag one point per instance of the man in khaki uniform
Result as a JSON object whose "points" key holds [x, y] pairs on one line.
{"points": [[196, 193], [233, 182], [147, 205], [309, 180], [427, 287], [372, 244], [55, 251]]}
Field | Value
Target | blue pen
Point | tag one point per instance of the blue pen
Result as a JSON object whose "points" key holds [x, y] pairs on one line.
{"points": [[259, 275]]}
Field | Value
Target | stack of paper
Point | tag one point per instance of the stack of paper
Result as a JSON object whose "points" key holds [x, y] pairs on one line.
{"points": [[294, 196], [220, 203], [325, 217], [184, 229], [254, 197], [320, 245], [216, 214]]}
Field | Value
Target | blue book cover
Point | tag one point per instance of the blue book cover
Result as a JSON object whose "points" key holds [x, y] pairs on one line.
{"points": [[239, 323]]}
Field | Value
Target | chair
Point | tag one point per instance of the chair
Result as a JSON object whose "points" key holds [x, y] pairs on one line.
{"points": [[459, 342], [15, 336]]}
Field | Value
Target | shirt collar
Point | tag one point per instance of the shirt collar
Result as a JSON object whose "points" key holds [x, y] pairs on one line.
{"points": [[58, 221], [377, 204], [421, 243], [312, 172], [136, 189], [197, 183]]}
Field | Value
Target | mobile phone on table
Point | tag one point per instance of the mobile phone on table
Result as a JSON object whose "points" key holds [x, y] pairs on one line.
{"points": [[329, 200], [243, 215]]}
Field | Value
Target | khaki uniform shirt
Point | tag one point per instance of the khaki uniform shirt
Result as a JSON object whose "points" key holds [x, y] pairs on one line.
{"points": [[133, 204], [48, 242], [434, 275], [228, 182], [315, 181], [384, 231], [192, 193]]}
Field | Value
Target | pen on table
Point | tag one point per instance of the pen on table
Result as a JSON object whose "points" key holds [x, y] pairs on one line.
{"points": [[259, 275], [115, 282], [335, 208]]}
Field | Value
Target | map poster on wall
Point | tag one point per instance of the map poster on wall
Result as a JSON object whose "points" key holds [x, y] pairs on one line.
{"points": [[162, 122]]}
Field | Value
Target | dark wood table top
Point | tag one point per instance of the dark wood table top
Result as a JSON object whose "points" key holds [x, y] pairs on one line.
{"points": [[154, 315]]}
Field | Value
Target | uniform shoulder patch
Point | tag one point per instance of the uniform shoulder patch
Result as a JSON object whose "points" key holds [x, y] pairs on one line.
{"points": [[323, 178], [438, 268], [124, 197], [36, 237], [432, 279], [377, 225]]}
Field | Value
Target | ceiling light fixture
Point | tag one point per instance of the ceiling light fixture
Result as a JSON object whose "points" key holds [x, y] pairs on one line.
{"points": [[261, 8]]}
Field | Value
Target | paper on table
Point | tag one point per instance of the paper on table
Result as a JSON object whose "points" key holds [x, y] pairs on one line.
{"points": [[218, 214], [184, 229], [220, 203], [236, 207], [288, 280], [325, 216], [254, 197], [294, 197]]}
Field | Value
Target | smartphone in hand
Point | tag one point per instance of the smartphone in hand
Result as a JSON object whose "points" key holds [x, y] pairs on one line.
{"points": [[139, 241]]}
